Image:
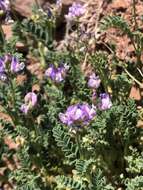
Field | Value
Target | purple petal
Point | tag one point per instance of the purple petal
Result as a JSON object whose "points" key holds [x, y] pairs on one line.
{"points": [[31, 98], [105, 102], [2, 66], [59, 3], [94, 81], [4, 5], [76, 10], [58, 77], [80, 114], [16, 66], [24, 108], [56, 74], [63, 118], [3, 77]]}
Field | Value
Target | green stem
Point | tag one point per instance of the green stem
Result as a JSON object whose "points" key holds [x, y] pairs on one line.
{"points": [[36, 127], [37, 3], [78, 144], [41, 52], [136, 47], [2, 36], [8, 111], [138, 53], [15, 115], [13, 93]]}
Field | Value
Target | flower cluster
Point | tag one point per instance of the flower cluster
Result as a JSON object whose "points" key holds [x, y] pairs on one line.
{"points": [[75, 11], [78, 114], [9, 63], [104, 101], [30, 102], [94, 81], [57, 74]]}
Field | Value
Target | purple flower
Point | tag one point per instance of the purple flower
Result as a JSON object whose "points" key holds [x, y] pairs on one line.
{"points": [[30, 102], [56, 74], [75, 11], [104, 102], [31, 98], [16, 66], [50, 72], [7, 58], [94, 81], [4, 5], [78, 114], [59, 3], [9, 63], [24, 108]]}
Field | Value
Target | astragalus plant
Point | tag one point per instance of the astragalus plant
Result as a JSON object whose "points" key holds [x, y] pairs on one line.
{"points": [[72, 128]]}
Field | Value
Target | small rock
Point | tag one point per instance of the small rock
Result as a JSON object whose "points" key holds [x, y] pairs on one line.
{"points": [[24, 8], [120, 4], [135, 93], [7, 30], [140, 124]]}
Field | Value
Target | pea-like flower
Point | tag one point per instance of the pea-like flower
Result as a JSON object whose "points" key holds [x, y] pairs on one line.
{"points": [[9, 64], [94, 81], [4, 6], [59, 3], [16, 66], [75, 11], [78, 115], [104, 101], [30, 102], [56, 74]]}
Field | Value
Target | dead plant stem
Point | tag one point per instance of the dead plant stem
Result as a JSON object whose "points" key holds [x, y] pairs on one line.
{"points": [[135, 14]]}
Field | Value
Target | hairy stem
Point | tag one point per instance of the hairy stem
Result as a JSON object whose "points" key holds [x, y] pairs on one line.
{"points": [[78, 144], [37, 3]]}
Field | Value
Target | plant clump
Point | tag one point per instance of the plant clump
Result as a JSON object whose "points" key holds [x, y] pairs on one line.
{"points": [[67, 120]]}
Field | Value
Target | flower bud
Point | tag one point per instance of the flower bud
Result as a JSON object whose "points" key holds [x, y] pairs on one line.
{"points": [[30, 102], [104, 102]]}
